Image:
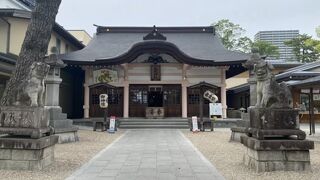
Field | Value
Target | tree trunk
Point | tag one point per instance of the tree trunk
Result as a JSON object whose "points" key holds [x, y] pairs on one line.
{"points": [[34, 47]]}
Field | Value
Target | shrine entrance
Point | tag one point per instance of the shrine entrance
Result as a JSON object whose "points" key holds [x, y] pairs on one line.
{"points": [[115, 100], [166, 97]]}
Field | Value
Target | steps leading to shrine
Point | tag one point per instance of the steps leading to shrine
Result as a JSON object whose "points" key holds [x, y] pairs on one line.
{"points": [[172, 123]]}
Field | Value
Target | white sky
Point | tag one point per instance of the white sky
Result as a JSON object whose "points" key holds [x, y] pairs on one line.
{"points": [[252, 15]]}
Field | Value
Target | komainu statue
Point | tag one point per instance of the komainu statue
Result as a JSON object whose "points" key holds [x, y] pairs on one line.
{"points": [[273, 115], [270, 94], [31, 91]]}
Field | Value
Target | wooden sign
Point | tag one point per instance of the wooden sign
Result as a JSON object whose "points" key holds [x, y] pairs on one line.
{"points": [[155, 72]]}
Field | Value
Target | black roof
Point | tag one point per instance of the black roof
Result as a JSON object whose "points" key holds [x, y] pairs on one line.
{"points": [[56, 28], [296, 73], [312, 82], [8, 58], [196, 45]]}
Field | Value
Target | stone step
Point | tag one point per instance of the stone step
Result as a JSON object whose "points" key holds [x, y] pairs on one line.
{"points": [[178, 123], [65, 123], [154, 122], [154, 126], [63, 116]]}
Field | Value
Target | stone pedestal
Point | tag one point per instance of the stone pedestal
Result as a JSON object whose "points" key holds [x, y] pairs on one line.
{"points": [[276, 155], [62, 126], [271, 122], [18, 153], [241, 129], [24, 120]]}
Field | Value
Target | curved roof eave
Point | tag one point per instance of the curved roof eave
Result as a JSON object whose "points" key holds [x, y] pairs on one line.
{"points": [[157, 47]]}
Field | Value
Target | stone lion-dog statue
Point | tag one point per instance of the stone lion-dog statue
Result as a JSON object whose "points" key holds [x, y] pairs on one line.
{"points": [[270, 94], [31, 91]]}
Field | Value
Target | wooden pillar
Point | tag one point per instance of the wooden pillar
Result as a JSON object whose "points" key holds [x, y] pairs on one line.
{"points": [[311, 112], [184, 101], [125, 91], [223, 92], [86, 93], [201, 102], [184, 95]]}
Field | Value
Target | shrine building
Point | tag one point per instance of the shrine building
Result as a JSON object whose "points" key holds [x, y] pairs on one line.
{"points": [[142, 68]]}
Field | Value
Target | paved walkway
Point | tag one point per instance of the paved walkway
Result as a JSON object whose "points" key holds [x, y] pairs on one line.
{"points": [[149, 154]]}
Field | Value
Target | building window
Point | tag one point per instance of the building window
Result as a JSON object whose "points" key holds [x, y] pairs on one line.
{"points": [[138, 96], [193, 99], [95, 99], [58, 45]]}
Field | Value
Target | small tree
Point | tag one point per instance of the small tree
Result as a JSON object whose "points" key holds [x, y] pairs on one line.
{"points": [[318, 31], [232, 36], [35, 44], [305, 48], [266, 49]]}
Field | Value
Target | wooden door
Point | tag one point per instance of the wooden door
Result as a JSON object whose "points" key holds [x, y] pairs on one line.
{"points": [[138, 100], [115, 100], [193, 101], [172, 100]]}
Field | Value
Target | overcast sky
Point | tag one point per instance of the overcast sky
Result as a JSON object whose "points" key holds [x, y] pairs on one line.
{"points": [[252, 15]]}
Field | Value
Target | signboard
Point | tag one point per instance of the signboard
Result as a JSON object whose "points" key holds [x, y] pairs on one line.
{"points": [[103, 98], [112, 124], [195, 124], [210, 96], [105, 76], [215, 109], [155, 72]]}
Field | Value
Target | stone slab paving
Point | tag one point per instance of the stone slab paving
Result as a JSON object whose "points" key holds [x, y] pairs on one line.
{"points": [[158, 154]]}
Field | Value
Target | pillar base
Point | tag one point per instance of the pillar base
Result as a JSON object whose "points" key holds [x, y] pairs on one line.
{"points": [[18, 153], [277, 155]]}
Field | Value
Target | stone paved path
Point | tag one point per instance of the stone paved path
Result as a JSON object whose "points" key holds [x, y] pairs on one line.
{"points": [[149, 154]]}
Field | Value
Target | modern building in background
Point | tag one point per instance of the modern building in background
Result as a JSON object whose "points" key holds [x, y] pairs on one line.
{"points": [[278, 38]]}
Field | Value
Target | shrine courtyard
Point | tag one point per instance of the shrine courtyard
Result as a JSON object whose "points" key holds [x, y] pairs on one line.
{"points": [[87, 158]]}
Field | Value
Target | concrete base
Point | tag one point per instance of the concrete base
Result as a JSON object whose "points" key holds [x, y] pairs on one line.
{"points": [[18, 153], [277, 155], [236, 133], [67, 136], [63, 127]]}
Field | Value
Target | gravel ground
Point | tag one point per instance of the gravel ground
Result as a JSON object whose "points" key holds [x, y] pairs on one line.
{"points": [[68, 157], [227, 157]]}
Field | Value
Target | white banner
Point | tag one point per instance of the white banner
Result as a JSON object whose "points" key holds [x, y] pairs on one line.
{"points": [[215, 109], [112, 124], [105, 76], [195, 124]]}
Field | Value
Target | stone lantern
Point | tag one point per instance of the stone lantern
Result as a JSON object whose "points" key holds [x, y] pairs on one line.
{"points": [[62, 126]]}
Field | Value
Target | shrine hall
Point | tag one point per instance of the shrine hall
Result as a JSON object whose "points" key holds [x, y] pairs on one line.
{"points": [[147, 70]]}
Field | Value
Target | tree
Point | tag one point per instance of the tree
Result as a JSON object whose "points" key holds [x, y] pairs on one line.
{"points": [[266, 49], [232, 36], [305, 48], [318, 31], [35, 44]]}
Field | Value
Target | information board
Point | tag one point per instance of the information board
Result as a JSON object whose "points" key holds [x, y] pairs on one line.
{"points": [[215, 109]]}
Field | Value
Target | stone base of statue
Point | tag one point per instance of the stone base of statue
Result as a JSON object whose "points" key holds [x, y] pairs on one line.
{"points": [[276, 155], [23, 153], [27, 143], [271, 122], [241, 128], [25, 120], [62, 126]]}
